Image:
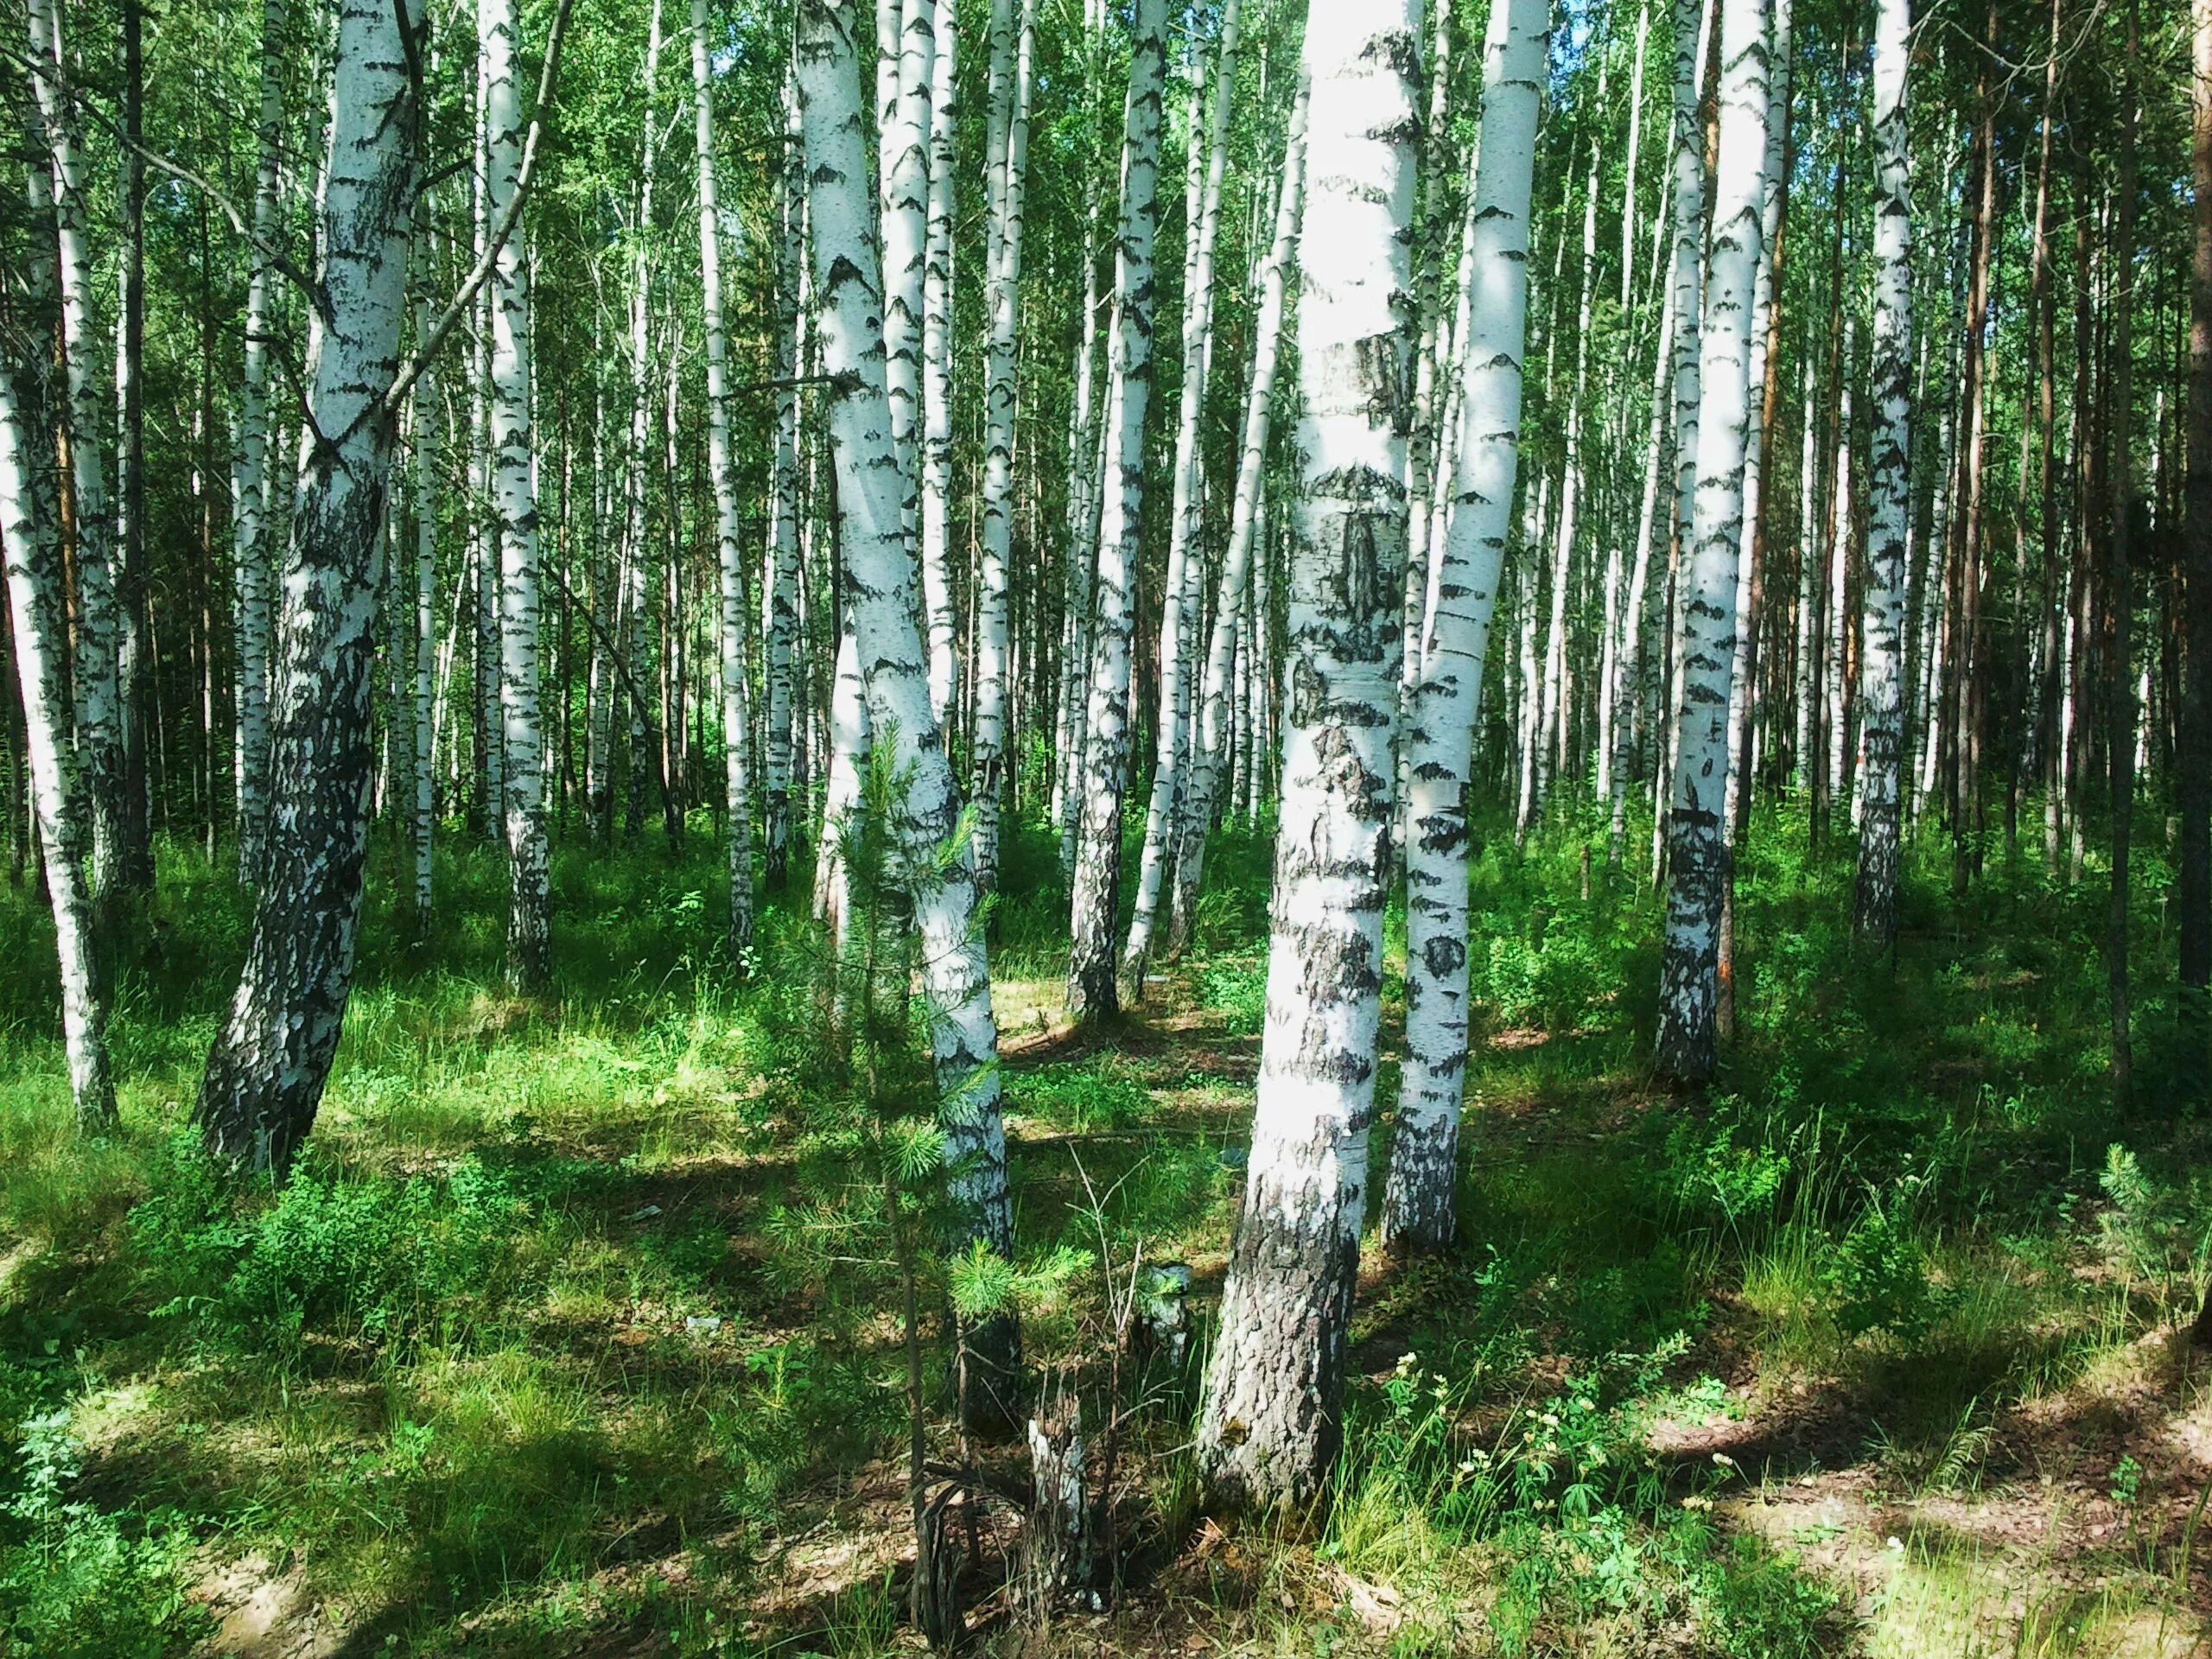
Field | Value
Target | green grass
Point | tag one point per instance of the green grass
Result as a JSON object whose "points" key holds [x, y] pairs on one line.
{"points": [[528, 1357]]}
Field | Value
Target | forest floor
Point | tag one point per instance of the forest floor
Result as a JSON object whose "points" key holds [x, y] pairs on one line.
{"points": [[572, 1337]]}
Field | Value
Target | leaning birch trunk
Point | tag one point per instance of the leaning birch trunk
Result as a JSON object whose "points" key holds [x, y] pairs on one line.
{"points": [[1418, 1211], [729, 515], [1007, 166], [1696, 839], [1271, 1423], [36, 606], [249, 474], [521, 743], [929, 826], [780, 634], [1233, 607], [1170, 750], [266, 1070], [96, 685], [1881, 655], [934, 460], [1096, 889]]}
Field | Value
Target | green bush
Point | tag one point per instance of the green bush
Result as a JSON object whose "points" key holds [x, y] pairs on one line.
{"points": [[357, 1257]]}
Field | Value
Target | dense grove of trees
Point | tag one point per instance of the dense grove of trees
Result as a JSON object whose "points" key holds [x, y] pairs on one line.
{"points": [[422, 425]]}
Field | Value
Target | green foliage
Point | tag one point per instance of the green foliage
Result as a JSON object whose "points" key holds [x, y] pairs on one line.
{"points": [[80, 1582], [376, 1259], [1083, 1096], [1237, 990], [1879, 1278]]}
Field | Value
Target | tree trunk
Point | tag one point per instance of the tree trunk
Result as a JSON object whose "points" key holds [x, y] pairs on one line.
{"points": [[2193, 893], [1233, 608], [1178, 628], [729, 520], [266, 1071], [1092, 992], [1418, 1211], [1882, 659], [1271, 1423], [1697, 846], [880, 575]]}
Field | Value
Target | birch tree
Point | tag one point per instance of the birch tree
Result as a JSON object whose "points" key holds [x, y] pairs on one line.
{"points": [[1418, 1199], [249, 474], [1696, 835], [1091, 991], [1013, 52], [1163, 810], [266, 1071], [1882, 657], [1270, 1424], [929, 828], [1233, 607], [95, 680], [512, 437], [35, 609], [728, 517]]}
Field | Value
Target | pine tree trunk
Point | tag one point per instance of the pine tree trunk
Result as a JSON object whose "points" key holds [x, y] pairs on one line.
{"points": [[1271, 1423], [729, 521], [882, 579], [1418, 1209], [1697, 846], [266, 1071], [2120, 607], [1882, 659], [36, 608], [1090, 988]]}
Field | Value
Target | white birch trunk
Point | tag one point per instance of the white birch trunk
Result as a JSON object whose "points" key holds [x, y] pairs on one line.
{"points": [[730, 520], [1012, 51], [1270, 1425], [266, 1071], [1418, 1211], [1696, 842], [935, 468], [514, 503], [1881, 655], [1177, 627], [95, 686], [1232, 609], [929, 826], [250, 472], [779, 630], [37, 610], [1092, 992], [423, 615]]}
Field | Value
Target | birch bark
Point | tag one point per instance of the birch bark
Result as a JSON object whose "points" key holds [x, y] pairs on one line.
{"points": [[1418, 1211], [1270, 1424]]}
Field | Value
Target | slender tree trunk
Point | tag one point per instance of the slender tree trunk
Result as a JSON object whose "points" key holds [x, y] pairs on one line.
{"points": [[780, 631], [2120, 607], [935, 456], [1697, 848], [1418, 1212], [266, 1071], [1178, 628], [423, 613], [1270, 1425], [1013, 52], [729, 515], [882, 578], [1233, 608], [95, 684], [36, 608], [1091, 991], [135, 852], [2193, 894], [514, 504], [1882, 659]]}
